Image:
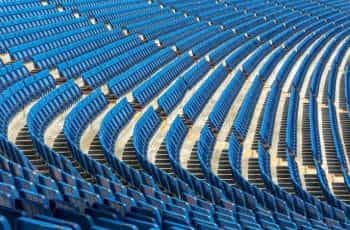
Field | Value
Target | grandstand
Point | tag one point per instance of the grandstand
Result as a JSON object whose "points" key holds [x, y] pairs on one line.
{"points": [[174, 114]]}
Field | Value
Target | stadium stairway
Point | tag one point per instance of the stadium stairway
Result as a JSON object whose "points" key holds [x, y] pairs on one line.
{"points": [[25, 142]]}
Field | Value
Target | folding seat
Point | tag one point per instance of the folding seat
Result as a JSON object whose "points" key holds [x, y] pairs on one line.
{"points": [[75, 202], [204, 224], [175, 225], [57, 221], [299, 220], [281, 206], [50, 193], [284, 221], [25, 184], [85, 221], [7, 199], [250, 201], [69, 179], [146, 212], [141, 223], [4, 223], [136, 178], [200, 214], [6, 177], [120, 208], [248, 222], [33, 204], [339, 215], [83, 184], [177, 186], [114, 224], [138, 196], [265, 217], [56, 173], [125, 199], [159, 204], [269, 201], [333, 224], [318, 224], [67, 189], [116, 187], [239, 197], [204, 206], [161, 196], [268, 225], [33, 224], [12, 73], [9, 189], [176, 209], [101, 211], [125, 171]]}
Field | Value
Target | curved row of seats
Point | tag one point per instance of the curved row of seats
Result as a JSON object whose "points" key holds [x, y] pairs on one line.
{"points": [[103, 43], [43, 113], [291, 137]]}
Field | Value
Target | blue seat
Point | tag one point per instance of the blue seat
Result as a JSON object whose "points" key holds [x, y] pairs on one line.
{"points": [[4, 223], [28, 223], [244, 116], [76, 66], [34, 205], [194, 106], [29, 35], [202, 48], [235, 57], [12, 73], [102, 73], [24, 184], [172, 37], [222, 107], [115, 224], [84, 221], [49, 193], [168, 101], [149, 89], [190, 41], [124, 82], [53, 220], [55, 56]]}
